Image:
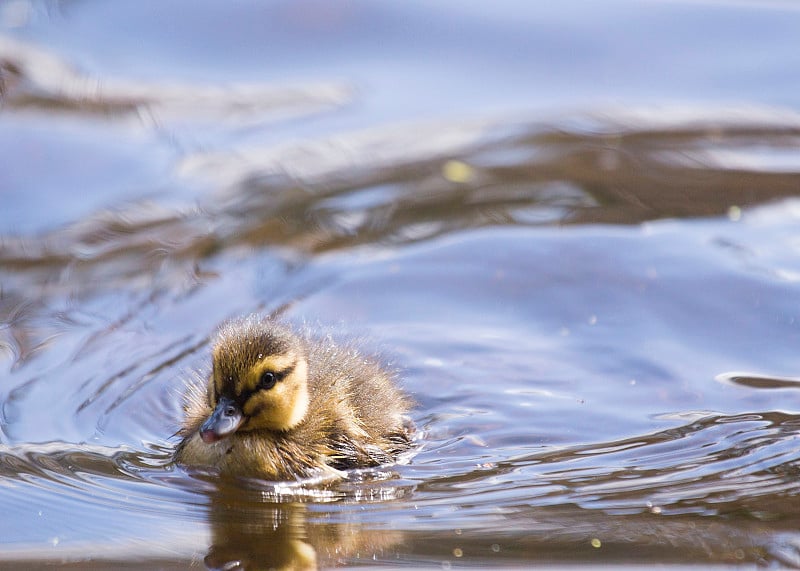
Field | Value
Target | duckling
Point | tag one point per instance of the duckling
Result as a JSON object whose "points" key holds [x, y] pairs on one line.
{"points": [[280, 405]]}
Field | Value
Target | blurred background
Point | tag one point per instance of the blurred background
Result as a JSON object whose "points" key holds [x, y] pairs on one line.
{"points": [[574, 228]]}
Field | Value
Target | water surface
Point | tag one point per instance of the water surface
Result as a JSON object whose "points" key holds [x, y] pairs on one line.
{"points": [[586, 270]]}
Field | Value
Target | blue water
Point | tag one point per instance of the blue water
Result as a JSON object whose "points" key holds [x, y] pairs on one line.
{"points": [[574, 229]]}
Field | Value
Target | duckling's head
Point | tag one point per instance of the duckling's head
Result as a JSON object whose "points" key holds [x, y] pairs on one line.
{"points": [[259, 379]]}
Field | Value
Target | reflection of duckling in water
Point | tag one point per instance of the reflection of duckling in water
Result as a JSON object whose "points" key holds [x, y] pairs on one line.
{"points": [[254, 535], [280, 406], [270, 536]]}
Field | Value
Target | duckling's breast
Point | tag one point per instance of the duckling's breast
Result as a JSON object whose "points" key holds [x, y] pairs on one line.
{"points": [[194, 452]]}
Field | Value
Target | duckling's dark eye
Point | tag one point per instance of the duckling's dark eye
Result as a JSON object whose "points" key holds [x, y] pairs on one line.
{"points": [[267, 380]]}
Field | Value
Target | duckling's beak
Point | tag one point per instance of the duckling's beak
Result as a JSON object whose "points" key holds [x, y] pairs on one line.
{"points": [[225, 419]]}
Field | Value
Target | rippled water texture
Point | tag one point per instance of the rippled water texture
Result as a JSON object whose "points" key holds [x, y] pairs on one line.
{"points": [[586, 269]]}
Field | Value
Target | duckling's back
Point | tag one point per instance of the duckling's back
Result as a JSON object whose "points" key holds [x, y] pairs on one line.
{"points": [[359, 400]]}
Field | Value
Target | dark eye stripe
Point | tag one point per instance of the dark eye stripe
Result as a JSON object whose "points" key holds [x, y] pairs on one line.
{"points": [[228, 386], [277, 375], [280, 375]]}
